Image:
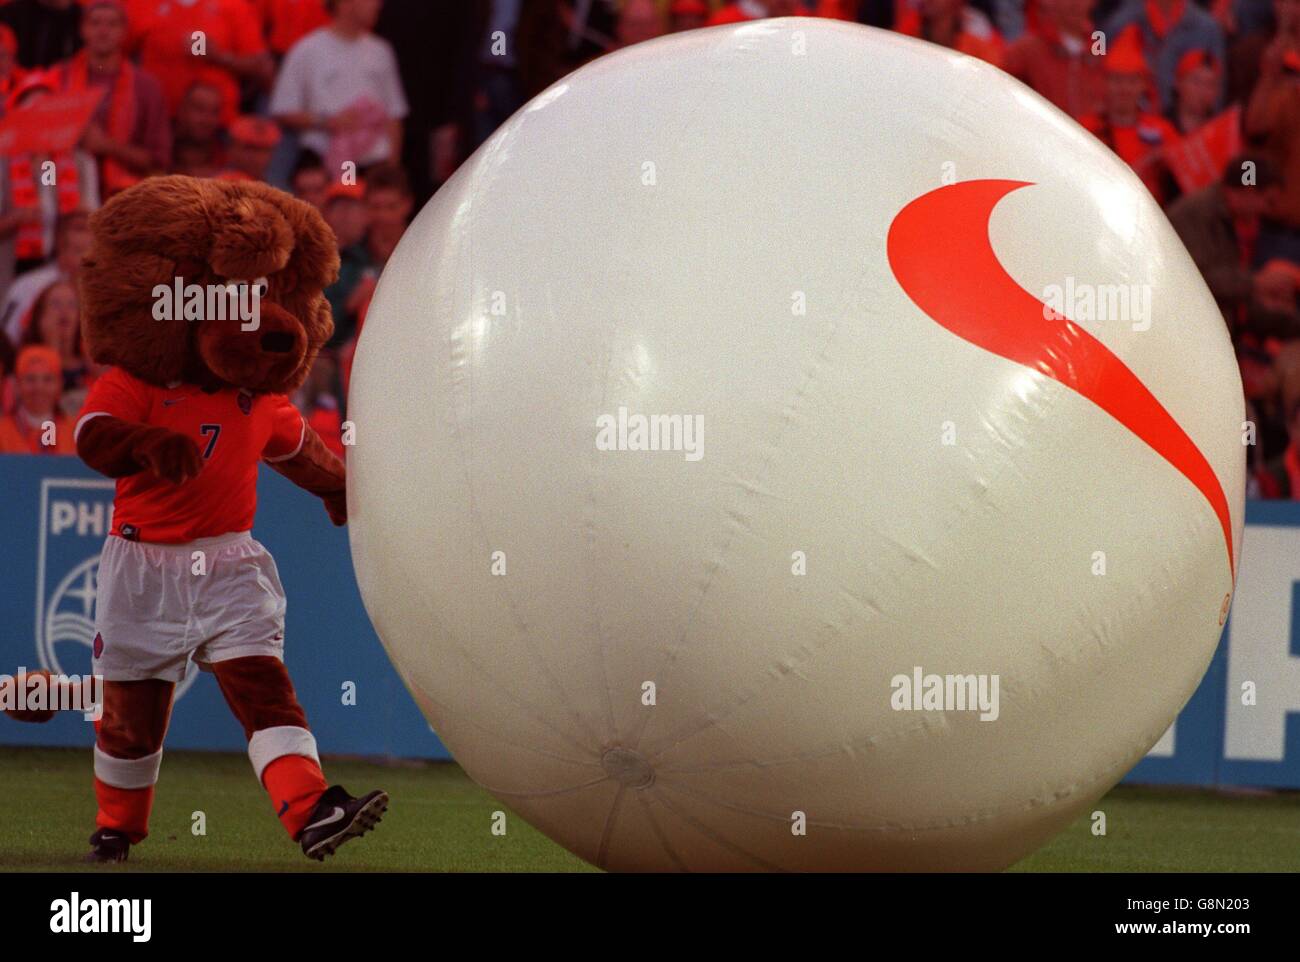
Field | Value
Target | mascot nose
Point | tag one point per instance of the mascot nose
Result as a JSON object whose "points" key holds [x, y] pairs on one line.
{"points": [[277, 342]]}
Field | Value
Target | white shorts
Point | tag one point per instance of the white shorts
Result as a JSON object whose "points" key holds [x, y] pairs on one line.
{"points": [[159, 604]]}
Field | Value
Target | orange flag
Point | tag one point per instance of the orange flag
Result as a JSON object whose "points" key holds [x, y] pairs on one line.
{"points": [[50, 125], [1200, 158]]}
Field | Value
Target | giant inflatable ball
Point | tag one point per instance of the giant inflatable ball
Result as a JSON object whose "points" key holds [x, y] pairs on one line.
{"points": [[792, 446]]}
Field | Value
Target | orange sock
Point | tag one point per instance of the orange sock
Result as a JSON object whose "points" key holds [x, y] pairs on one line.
{"points": [[125, 810], [294, 783]]}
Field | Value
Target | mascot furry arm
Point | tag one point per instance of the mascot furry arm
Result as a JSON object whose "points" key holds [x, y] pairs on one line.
{"points": [[118, 448]]}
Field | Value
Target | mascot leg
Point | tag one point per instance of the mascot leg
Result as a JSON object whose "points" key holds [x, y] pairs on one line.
{"points": [[258, 690], [128, 751]]}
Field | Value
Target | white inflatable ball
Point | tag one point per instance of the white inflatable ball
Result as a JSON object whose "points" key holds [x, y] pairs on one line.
{"points": [[794, 446]]}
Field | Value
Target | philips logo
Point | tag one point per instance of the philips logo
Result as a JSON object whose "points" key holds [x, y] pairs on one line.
{"points": [[86, 518]]}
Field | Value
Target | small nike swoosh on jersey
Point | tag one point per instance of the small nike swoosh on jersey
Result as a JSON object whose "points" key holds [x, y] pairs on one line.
{"points": [[335, 816], [168, 402]]}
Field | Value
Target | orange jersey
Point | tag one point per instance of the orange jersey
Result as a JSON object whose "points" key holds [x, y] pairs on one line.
{"points": [[163, 32], [233, 429]]}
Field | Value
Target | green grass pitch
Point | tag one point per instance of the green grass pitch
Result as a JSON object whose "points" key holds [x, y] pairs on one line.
{"points": [[441, 821]]}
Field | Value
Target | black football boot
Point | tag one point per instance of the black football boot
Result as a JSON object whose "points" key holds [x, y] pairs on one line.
{"points": [[338, 817]]}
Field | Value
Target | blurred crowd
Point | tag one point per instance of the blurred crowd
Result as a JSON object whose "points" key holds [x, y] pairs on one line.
{"points": [[364, 107]]}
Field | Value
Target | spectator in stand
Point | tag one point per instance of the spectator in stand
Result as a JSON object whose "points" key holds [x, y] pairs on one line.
{"points": [[1220, 226], [1270, 438], [1240, 17], [388, 209], [318, 400], [56, 323], [1279, 475], [848, 10], [310, 181], [1280, 289], [1055, 56], [1273, 122], [743, 10], [71, 244], [1011, 17], [541, 42], [590, 25], [439, 50], [285, 22], [497, 94], [1165, 31], [128, 134], [388, 204], [345, 212], [38, 200], [11, 219], [1247, 51], [47, 30], [8, 392], [37, 426], [252, 142], [951, 23], [352, 114], [196, 135], [10, 72], [687, 15], [1137, 136], [639, 20], [1276, 285], [1199, 79], [232, 50]]}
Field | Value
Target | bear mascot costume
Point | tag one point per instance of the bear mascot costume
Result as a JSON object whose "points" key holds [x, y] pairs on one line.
{"points": [[195, 397]]}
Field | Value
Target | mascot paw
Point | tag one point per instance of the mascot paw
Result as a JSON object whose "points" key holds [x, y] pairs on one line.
{"points": [[35, 690], [337, 506], [171, 456]]}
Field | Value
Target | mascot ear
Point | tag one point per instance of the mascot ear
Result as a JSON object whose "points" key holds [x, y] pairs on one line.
{"points": [[315, 259], [138, 240], [167, 215], [251, 238]]}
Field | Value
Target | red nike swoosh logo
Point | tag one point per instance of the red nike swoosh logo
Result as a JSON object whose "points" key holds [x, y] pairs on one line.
{"points": [[941, 255]]}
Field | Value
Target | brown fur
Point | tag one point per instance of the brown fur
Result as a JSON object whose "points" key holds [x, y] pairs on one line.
{"points": [[135, 717], [258, 690], [117, 448], [207, 232]]}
